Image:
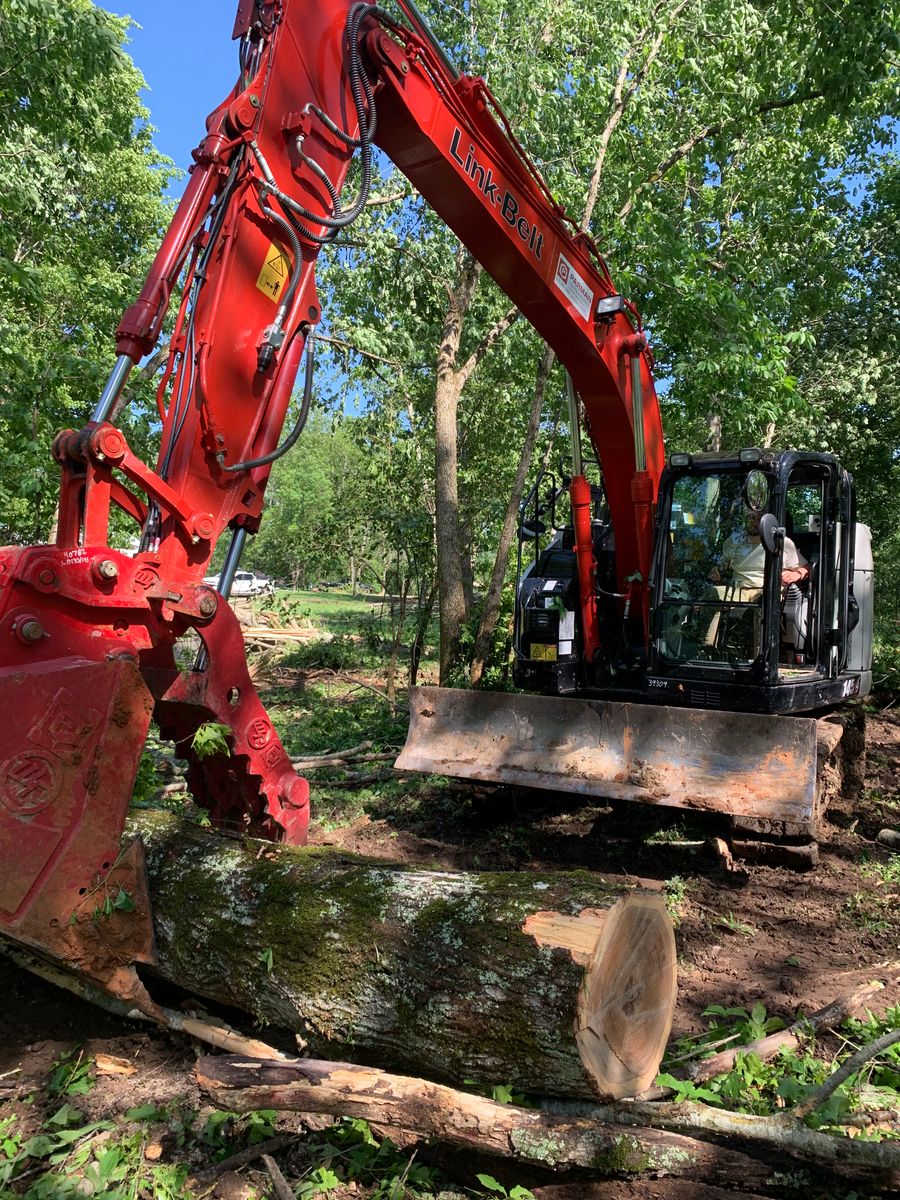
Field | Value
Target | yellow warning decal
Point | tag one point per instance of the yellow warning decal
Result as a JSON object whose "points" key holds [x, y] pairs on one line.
{"points": [[275, 272], [543, 653]]}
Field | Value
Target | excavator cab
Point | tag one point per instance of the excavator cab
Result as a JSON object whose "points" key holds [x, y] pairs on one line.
{"points": [[761, 605], [761, 594]]}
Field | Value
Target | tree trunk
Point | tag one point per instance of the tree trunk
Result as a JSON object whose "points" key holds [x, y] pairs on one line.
{"points": [[491, 610], [453, 976], [446, 465]]}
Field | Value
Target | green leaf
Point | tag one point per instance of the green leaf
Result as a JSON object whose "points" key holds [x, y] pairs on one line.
{"points": [[145, 1112], [123, 901], [210, 739], [489, 1182]]}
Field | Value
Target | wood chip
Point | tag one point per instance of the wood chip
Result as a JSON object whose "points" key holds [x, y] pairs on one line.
{"points": [[109, 1064]]}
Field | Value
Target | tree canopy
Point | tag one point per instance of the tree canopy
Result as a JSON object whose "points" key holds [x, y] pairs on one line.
{"points": [[81, 209], [732, 159]]}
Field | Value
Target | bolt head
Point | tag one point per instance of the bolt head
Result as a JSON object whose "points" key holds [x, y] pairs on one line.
{"points": [[208, 604], [46, 576], [112, 443], [31, 630], [107, 569]]}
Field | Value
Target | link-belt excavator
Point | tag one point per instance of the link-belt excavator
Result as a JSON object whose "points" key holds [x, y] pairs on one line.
{"points": [[661, 635]]}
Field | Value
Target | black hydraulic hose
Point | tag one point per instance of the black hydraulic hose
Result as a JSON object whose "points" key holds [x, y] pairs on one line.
{"points": [[302, 417], [367, 119]]}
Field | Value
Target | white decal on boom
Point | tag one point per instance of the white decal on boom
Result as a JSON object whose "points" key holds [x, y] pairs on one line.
{"points": [[574, 287]]}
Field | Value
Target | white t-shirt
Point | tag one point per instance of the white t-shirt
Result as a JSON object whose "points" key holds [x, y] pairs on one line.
{"points": [[750, 571]]}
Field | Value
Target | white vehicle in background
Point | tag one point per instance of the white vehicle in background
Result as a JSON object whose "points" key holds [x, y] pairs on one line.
{"points": [[246, 583]]}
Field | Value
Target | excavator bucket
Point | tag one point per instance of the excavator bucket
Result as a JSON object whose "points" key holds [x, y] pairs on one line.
{"points": [[761, 769]]}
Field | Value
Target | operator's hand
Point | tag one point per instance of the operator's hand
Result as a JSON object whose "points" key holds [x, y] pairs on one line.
{"points": [[793, 575]]}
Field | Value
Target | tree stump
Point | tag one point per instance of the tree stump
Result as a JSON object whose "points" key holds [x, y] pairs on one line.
{"points": [[559, 983]]}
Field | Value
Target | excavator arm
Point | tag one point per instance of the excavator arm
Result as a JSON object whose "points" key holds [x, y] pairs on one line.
{"points": [[93, 638]]}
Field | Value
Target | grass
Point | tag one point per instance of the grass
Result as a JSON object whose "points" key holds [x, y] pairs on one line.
{"points": [[864, 1104]]}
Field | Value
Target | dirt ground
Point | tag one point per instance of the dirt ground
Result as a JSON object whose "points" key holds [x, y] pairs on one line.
{"points": [[791, 940]]}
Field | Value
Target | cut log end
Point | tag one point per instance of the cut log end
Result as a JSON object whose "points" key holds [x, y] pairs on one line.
{"points": [[627, 1001]]}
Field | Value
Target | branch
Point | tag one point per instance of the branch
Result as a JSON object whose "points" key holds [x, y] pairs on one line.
{"points": [[349, 346], [844, 1071], [279, 1183], [624, 1138], [493, 335], [711, 130], [461, 1119], [622, 97], [377, 201]]}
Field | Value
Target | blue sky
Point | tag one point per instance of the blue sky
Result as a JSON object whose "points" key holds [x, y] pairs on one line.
{"points": [[185, 52]]}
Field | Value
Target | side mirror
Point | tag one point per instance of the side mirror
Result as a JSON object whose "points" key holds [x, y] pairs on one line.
{"points": [[771, 534], [530, 530]]}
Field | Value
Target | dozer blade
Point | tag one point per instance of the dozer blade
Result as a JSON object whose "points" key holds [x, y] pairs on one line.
{"points": [[750, 765]]}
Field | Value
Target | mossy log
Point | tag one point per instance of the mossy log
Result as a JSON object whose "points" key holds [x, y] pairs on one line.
{"points": [[562, 984]]}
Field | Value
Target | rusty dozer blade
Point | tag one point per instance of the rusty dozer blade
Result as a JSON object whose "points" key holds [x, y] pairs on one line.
{"points": [[753, 766]]}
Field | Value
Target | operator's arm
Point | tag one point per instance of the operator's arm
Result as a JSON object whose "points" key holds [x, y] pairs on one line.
{"points": [[794, 567]]}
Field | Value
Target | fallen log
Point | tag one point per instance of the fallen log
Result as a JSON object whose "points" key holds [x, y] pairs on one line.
{"points": [[455, 976], [394, 1102], [609, 1139]]}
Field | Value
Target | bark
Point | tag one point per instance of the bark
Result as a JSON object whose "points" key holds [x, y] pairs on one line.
{"points": [[491, 610], [472, 1122], [455, 976], [423, 619], [446, 465]]}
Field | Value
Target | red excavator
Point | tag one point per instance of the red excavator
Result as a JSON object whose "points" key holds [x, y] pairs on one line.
{"points": [[663, 626]]}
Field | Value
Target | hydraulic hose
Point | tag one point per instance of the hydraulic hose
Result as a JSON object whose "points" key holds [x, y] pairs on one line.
{"points": [[264, 459]]}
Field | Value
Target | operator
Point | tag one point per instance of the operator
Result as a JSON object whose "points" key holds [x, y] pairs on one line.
{"points": [[745, 561], [749, 571]]}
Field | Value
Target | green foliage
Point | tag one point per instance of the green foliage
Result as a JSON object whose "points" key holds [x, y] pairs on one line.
{"points": [[886, 663], [72, 1158], [490, 1184], [675, 891], [348, 1152], [210, 739], [685, 1090], [730, 922], [886, 871], [768, 1087], [71, 1075], [81, 189]]}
